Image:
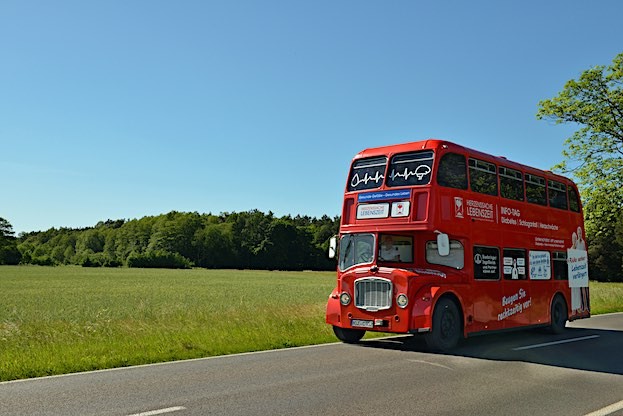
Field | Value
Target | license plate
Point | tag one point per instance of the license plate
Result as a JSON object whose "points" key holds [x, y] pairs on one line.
{"points": [[362, 323]]}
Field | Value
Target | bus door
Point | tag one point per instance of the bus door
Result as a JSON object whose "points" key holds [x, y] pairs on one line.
{"points": [[516, 301], [487, 287]]}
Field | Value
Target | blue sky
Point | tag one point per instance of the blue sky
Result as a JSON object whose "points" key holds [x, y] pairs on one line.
{"points": [[121, 109]]}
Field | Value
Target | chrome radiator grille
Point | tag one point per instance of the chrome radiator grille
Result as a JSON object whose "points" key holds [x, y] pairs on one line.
{"points": [[373, 293]]}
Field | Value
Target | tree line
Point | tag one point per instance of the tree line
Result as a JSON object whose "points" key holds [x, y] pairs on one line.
{"points": [[253, 240]]}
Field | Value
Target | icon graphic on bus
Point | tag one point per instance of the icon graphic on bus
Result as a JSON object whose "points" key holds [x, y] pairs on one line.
{"points": [[458, 207]]}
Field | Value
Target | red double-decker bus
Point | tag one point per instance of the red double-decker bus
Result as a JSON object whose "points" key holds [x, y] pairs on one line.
{"points": [[448, 242]]}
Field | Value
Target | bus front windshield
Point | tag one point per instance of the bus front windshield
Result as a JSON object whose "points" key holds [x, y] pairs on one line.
{"points": [[356, 249]]}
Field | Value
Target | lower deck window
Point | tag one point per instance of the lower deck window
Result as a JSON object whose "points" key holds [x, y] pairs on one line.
{"points": [[455, 259], [396, 248], [561, 271], [540, 265], [514, 264], [486, 263]]}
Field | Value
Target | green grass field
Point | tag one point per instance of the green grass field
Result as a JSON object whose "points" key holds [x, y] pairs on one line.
{"points": [[56, 320], [67, 319], [606, 297]]}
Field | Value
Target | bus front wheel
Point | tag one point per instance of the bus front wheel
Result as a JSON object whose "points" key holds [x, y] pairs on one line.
{"points": [[447, 329], [350, 336]]}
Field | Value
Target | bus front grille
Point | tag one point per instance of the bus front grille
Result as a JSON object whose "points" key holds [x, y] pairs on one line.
{"points": [[373, 293]]}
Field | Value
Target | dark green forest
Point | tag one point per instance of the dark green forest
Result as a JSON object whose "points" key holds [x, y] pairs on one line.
{"points": [[245, 240]]}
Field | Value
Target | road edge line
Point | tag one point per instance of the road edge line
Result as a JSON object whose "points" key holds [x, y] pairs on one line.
{"points": [[607, 410]]}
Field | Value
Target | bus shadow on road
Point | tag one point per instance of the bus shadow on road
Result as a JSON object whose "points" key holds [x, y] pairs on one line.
{"points": [[596, 350]]}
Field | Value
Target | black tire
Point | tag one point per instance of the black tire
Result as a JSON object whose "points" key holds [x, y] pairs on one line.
{"points": [[349, 336], [558, 316], [447, 328]]}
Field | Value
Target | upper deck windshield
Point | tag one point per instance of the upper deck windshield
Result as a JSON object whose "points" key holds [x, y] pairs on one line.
{"points": [[405, 169], [409, 169], [367, 173]]}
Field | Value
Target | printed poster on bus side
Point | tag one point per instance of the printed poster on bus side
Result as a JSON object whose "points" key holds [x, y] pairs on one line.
{"points": [[577, 262]]}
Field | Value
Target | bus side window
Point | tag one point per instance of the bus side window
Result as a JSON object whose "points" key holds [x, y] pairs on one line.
{"points": [[455, 259], [574, 200], [511, 184], [561, 271], [483, 177], [486, 263], [452, 171], [540, 265], [535, 190], [557, 195], [514, 264]]}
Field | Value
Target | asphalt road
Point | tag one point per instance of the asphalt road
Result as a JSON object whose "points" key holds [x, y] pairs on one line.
{"points": [[523, 373]]}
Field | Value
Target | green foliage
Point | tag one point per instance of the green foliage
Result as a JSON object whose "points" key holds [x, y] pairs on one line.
{"points": [[245, 240], [214, 246], [594, 155], [159, 259], [9, 254]]}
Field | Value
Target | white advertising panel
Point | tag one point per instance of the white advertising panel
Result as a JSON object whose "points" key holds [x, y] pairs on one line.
{"points": [[577, 262], [540, 265], [400, 209], [366, 211]]}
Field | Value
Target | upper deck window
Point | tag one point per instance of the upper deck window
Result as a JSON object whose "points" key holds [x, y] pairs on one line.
{"points": [[452, 171], [483, 177], [557, 193], [409, 169], [535, 189], [367, 173], [511, 184], [574, 200]]}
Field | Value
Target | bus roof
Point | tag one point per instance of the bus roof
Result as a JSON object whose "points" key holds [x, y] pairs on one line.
{"points": [[434, 144]]}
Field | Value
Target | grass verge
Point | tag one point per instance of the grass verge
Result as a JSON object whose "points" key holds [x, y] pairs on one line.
{"points": [[68, 319], [56, 320], [606, 297]]}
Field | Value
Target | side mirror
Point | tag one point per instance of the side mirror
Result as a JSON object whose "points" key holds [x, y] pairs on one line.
{"points": [[443, 244], [332, 247]]}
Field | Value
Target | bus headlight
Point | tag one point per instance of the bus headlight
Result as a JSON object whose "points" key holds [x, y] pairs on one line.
{"points": [[402, 300], [344, 299]]}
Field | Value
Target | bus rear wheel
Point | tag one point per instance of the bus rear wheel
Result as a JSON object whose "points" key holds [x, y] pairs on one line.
{"points": [[447, 329], [558, 316], [349, 336]]}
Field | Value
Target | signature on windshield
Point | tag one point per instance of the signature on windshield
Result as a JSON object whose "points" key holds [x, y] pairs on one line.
{"points": [[419, 172], [356, 181]]}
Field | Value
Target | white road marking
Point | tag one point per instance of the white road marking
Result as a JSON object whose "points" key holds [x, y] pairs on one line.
{"points": [[160, 411], [429, 363], [607, 410], [547, 344]]}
